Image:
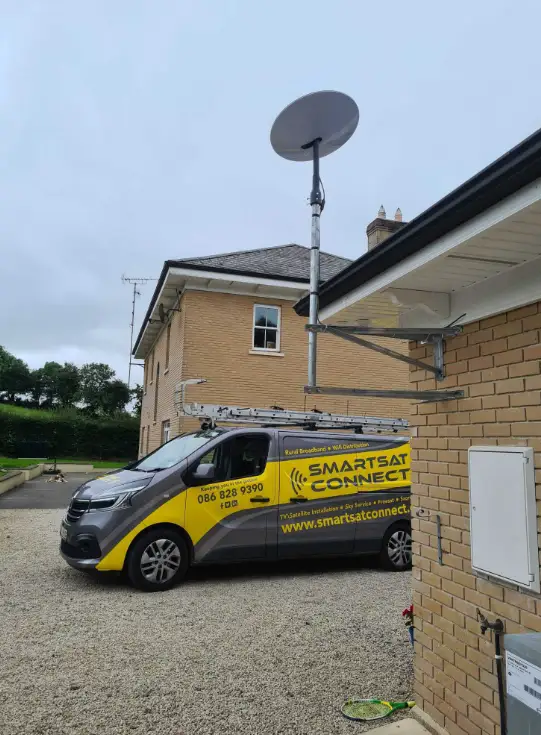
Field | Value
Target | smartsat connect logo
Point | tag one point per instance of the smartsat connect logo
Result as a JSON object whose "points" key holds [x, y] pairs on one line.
{"points": [[297, 480]]}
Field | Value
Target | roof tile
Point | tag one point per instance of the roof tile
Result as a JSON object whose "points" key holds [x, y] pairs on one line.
{"points": [[292, 261]]}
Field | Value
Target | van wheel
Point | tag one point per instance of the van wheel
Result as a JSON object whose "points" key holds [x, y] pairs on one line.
{"points": [[396, 552], [158, 560]]}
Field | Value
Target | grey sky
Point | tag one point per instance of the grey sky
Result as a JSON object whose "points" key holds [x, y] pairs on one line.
{"points": [[135, 131]]}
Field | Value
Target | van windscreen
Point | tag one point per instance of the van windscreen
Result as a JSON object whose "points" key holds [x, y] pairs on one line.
{"points": [[175, 451]]}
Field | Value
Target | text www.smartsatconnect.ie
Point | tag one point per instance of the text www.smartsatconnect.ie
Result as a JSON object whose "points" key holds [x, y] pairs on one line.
{"points": [[338, 520]]}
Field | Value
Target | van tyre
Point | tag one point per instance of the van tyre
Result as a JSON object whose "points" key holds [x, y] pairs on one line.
{"points": [[396, 554], [157, 560]]}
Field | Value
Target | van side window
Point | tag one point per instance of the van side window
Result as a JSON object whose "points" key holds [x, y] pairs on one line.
{"points": [[247, 456], [238, 457]]}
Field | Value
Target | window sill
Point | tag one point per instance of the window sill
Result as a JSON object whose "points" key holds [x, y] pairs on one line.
{"points": [[271, 353]]}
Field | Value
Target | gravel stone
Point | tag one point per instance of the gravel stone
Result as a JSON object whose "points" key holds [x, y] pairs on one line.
{"points": [[261, 650]]}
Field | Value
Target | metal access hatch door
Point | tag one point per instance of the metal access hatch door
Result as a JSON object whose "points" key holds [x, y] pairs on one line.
{"points": [[503, 517]]}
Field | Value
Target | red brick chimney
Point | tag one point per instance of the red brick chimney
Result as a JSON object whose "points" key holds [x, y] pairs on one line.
{"points": [[379, 229]]}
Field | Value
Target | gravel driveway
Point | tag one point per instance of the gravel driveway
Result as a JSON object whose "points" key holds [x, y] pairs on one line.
{"points": [[264, 650]]}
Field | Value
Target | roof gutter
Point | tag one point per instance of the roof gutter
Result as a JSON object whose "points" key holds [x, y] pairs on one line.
{"points": [[515, 169]]}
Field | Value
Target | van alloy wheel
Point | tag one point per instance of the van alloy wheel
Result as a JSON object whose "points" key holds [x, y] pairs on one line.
{"points": [[160, 561], [399, 548]]}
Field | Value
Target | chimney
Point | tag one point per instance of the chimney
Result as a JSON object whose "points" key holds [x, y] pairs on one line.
{"points": [[379, 229]]}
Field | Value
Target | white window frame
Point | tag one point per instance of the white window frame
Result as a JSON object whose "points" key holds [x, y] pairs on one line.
{"points": [[278, 328], [166, 431]]}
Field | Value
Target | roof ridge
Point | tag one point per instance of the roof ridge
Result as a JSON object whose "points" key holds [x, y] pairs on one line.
{"points": [[251, 250], [258, 250]]}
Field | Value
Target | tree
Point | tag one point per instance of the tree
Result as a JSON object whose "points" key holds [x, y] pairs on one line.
{"points": [[137, 395], [14, 375], [94, 377], [115, 396], [59, 384]]}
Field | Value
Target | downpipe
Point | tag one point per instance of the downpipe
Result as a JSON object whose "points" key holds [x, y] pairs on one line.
{"points": [[498, 628]]}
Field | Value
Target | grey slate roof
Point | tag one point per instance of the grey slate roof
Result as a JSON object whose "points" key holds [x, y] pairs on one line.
{"points": [[281, 261]]}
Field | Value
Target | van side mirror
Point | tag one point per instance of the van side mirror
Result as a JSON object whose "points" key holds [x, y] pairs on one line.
{"points": [[203, 473]]}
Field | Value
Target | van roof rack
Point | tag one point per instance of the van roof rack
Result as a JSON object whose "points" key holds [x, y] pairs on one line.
{"points": [[211, 413]]}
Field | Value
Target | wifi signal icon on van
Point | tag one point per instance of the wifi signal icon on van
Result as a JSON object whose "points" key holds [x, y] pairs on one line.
{"points": [[297, 480]]}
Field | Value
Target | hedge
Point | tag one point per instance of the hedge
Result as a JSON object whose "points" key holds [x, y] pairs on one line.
{"points": [[51, 434]]}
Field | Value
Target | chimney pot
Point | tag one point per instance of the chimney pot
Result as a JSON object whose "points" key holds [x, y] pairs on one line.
{"points": [[380, 229]]}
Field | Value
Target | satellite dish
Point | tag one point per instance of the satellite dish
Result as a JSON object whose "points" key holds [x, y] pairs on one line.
{"points": [[308, 129], [331, 117], [161, 312]]}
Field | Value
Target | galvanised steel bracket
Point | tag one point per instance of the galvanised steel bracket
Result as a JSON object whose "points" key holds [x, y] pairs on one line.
{"points": [[434, 337], [431, 336]]}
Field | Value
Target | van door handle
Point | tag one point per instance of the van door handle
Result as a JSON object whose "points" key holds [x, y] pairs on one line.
{"points": [[259, 499], [298, 499]]}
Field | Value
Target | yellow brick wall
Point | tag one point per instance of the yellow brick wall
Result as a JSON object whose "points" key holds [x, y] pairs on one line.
{"points": [[212, 338], [497, 363]]}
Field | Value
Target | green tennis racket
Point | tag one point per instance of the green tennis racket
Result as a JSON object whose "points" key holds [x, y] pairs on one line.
{"points": [[371, 709]]}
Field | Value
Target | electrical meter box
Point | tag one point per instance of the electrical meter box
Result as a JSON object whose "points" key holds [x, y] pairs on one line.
{"points": [[523, 676], [503, 515]]}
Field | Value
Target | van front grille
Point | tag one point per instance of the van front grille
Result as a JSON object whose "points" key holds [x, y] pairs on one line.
{"points": [[76, 509]]}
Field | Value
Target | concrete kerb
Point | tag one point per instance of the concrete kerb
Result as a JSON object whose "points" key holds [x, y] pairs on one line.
{"points": [[11, 480], [428, 722], [408, 726]]}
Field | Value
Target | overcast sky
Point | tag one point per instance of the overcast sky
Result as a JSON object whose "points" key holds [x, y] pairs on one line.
{"points": [[134, 131]]}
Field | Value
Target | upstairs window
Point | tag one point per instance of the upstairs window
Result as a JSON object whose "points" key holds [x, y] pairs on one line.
{"points": [[266, 331]]}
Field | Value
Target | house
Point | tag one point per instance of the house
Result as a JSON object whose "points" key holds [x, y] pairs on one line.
{"points": [[473, 259], [229, 319]]}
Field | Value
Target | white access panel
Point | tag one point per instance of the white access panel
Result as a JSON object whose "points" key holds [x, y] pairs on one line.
{"points": [[503, 514]]}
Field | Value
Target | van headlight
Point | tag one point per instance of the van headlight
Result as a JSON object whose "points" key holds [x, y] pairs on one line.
{"points": [[119, 499]]}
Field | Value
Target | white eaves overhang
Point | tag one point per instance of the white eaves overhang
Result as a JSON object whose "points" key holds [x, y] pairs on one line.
{"points": [[178, 280], [488, 265]]}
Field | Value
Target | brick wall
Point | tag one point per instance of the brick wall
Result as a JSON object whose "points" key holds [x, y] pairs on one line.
{"points": [[212, 338], [497, 363]]}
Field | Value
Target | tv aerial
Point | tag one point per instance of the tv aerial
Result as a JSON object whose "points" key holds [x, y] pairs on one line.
{"points": [[308, 129]]}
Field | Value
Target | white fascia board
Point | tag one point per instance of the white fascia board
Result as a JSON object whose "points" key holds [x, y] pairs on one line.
{"points": [[262, 293], [493, 216], [234, 277]]}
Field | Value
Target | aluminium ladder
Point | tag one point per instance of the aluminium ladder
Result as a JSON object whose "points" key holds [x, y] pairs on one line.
{"points": [[210, 413]]}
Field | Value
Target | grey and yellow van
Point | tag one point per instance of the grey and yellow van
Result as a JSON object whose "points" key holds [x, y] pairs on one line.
{"points": [[227, 495]]}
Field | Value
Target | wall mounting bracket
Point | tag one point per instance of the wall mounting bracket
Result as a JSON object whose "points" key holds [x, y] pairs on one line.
{"points": [[431, 336], [424, 396]]}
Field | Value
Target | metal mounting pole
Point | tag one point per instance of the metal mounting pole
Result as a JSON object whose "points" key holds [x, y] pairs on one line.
{"points": [[135, 282], [315, 202], [135, 294]]}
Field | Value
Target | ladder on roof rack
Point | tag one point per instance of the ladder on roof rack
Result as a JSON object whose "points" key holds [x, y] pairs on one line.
{"points": [[210, 414]]}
